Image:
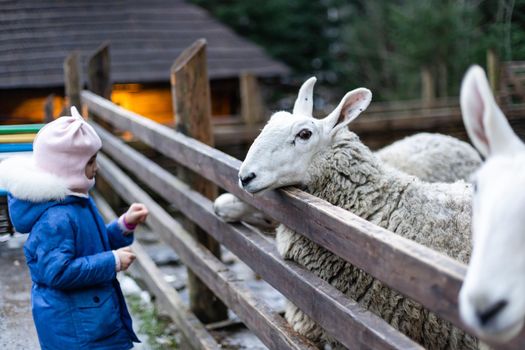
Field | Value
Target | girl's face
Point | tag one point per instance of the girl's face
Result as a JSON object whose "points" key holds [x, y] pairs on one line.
{"points": [[91, 167]]}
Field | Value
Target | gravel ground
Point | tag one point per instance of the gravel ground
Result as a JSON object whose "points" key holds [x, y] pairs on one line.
{"points": [[17, 330]]}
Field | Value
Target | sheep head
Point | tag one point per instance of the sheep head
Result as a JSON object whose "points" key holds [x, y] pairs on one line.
{"points": [[281, 154], [492, 298]]}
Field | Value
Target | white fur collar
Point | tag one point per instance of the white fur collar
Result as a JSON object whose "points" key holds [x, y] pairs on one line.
{"points": [[24, 180]]}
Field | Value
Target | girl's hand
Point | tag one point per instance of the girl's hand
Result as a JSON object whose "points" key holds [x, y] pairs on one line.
{"points": [[136, 214], [126, 257]]}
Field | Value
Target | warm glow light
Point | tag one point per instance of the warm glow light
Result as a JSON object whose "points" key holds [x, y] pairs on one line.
{"points": [[127, 87], [127, 136], [32, 110], [153, 103]]}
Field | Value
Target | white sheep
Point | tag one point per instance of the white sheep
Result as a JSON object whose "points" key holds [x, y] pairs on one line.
{"points": [[492, 298], [432, 157], [323, 155]]}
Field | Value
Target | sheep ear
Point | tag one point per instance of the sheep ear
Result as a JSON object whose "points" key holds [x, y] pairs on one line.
{"points": [[352, 104], [486, 125], [305, 101]]}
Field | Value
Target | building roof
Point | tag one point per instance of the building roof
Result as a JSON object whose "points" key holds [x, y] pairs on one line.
{"points": [[145, 38]]}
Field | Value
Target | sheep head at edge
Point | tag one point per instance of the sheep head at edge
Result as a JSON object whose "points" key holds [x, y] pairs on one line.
{"points": [[492, 298], [281, 154]]}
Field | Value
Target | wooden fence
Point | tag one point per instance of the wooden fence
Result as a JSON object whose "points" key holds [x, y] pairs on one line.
{"points": [[512, 81], [420, 273]]}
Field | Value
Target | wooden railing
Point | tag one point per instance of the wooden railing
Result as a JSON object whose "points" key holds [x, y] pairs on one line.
{"points": [[194, 331], [513, 81], [382, 126], [344, 318], [266, 323], [420, 273], [416, 271]]}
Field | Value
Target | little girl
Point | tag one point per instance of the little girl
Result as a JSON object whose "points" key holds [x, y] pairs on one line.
{"points": [[73, 257]]}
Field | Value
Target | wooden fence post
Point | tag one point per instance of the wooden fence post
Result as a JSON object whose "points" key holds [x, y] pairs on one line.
{"points": [[99, 76], [493, 70], [72, 80], [252, 107], [49, 108], [428, 92], [99, 80], [191, 104]]}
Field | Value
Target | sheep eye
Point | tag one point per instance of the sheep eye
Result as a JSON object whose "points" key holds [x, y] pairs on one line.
{"points": [[304, 134]]}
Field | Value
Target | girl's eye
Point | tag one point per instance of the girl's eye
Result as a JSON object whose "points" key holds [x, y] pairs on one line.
{"points": [[304, 134]]}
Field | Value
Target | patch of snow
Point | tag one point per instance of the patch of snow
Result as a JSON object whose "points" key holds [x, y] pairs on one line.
{"points": [[128, 285]]}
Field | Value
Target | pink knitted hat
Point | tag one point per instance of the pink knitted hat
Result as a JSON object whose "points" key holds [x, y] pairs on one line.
{"points": [[64, 147]]}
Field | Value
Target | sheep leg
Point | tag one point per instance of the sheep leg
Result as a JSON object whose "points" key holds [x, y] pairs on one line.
{"points": [[304, 325]]}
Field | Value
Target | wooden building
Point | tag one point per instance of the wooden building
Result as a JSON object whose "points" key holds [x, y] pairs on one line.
{"points": [[145, 37]]}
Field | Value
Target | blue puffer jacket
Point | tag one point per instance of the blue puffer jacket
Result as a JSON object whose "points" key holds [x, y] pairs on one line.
{"points": [[77, 301]]}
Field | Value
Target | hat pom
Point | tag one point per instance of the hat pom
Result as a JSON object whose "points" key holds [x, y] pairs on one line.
{"points": [[76, 114]]}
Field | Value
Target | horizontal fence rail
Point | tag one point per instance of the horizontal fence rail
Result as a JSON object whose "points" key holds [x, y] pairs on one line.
{"points": [[266, 323], [343, 318], [422, 274], [193, 330], [419, 272]]}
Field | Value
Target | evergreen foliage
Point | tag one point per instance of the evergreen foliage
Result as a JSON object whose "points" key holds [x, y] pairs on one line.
{"points": [[381, 44]]}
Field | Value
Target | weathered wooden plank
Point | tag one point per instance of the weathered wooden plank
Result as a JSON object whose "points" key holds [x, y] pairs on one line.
{"points": [[432, 272], [252, 106], [236, 134], [72, 79], [267, 324], [192, 105], [342, 317], [519, 88], [191, 93], [428, 94], [422, 120], [422, 274], [405, 105], [193, 330], [49, 107], [99, 79], [99, 82]]}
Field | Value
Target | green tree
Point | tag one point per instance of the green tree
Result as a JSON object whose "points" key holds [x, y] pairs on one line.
{"points": [[383, 45], [437, 36], [388, 43], [298, 32], [503, 28]]}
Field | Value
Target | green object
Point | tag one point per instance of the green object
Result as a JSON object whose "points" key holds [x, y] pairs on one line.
{"points": [[20, 129]]}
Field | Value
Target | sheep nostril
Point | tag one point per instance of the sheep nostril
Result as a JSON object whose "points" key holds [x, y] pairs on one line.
{"points": [[488, 314], [247, 179]]}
